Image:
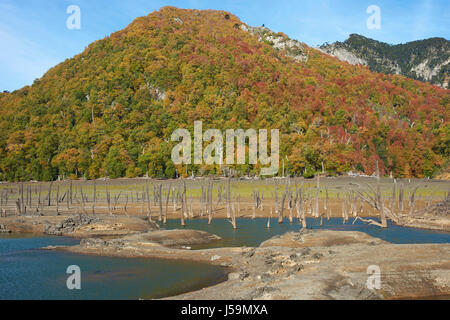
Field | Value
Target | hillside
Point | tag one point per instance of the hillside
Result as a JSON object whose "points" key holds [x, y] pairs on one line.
{"points": [[425, 60], [110, 111]]}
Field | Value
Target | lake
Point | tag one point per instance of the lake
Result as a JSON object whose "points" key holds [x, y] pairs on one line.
{"points": [[29, 273], [252, 233]]}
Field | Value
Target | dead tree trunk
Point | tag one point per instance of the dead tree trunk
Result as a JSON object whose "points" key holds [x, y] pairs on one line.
{"points": [[70, 193], [68, 200], [327, 205], [412, 202], [167, 205], [94, 199], [400, 197], [201, 200], [394, 195], [125, 210], [183, 224], [27, 199], [304, 224], [380, 199], [49, 196], [276, 199], [18, 211], [233, 218], [160, 203], [209, 200], [82, 200], [108, 199], [57, 200], [344, 211], [149, 208], [39, 206], [229, 198], [316, 208], [21, 199], [281, 216]]}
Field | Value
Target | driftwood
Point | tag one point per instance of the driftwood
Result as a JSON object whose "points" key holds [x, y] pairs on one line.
{"points": [[369, 221]]}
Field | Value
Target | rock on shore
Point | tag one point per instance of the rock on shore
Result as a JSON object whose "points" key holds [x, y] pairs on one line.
{"points": [[79, 226], [437, 217], [155, 239], [323, 265], [4, 229], [70, 225]]}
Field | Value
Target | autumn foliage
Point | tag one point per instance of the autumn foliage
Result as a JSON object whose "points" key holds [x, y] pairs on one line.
{"points": [[110, 111]]}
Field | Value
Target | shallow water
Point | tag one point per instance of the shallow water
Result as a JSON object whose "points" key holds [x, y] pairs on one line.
{"points": [[252, 233], [29, 273]]}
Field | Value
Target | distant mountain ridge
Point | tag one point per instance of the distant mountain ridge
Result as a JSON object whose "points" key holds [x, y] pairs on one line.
{"points": [[424, 60]]}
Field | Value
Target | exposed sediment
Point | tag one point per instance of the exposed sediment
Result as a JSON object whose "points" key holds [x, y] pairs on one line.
{"points": [[437, 217], [78, 226], [299, 265], [4, 229], [333, 265], [154, 244]]}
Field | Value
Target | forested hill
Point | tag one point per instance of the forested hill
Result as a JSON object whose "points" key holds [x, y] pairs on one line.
{"points": [[110, 111], [425, 60]]}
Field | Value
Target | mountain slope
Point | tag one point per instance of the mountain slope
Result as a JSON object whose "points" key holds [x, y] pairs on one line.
{"points": [[425, 60], [110, 111]]}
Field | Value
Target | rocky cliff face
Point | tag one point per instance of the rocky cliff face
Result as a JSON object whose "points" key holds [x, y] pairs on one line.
{"points": [[280, 42], [425, 60]]}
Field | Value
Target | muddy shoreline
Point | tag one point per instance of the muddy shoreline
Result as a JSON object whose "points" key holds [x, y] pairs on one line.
{"points": [[318, 265]]}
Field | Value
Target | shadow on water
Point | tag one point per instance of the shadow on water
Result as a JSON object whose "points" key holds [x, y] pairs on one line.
{"points": [[252, 233], [28, 273]]}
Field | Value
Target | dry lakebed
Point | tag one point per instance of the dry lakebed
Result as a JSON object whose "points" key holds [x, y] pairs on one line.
{"points": [[303, 264]]}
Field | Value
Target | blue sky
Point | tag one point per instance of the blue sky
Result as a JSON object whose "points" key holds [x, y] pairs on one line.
{"points": [[34, 36]]}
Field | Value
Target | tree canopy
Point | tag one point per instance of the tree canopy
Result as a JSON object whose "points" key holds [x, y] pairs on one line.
{"points": [[111, 110]]}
